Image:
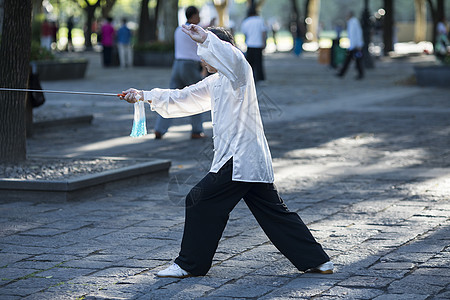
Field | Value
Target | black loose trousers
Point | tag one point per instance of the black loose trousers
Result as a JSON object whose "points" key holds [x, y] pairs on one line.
{"points": [[357, 56], [208, 206], [255, 59]]}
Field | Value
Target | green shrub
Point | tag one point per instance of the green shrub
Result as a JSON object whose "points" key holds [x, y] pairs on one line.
{"points": [[155, 46], [40, 53], [36, 27]]}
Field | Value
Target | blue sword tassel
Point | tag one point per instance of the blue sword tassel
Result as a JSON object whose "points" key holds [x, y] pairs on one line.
{"points": [[139, 125]]}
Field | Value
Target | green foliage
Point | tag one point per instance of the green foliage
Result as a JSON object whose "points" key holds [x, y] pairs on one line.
{"points": [[446, 59], [83, 3], [155, 47], [197, 3], [40, 53], [36, 27]]}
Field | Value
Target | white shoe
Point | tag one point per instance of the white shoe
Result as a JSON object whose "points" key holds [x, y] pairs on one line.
{"points": [[173, 271], [326, 268]]}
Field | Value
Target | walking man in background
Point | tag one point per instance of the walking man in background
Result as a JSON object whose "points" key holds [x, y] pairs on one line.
{"points": [[186, 70], [354, 32], [124, 45], [255, 32], [70, 25]]}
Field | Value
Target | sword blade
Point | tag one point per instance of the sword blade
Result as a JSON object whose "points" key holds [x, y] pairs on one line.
{"points": [[60, 92]]}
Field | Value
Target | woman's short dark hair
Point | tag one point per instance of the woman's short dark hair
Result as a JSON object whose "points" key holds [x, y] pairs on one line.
{"points": [[223, 34], [190, 11]]}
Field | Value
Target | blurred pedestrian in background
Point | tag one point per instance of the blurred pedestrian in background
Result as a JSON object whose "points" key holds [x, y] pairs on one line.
{"points": [[124, 45], [108, 34], [46, 35], [298, 33], [255, 32], [70, 25], [186, 70], [354, 51], [442, 42]]}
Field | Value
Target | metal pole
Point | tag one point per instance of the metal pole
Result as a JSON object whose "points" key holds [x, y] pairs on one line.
{"points": [[60, 92]]}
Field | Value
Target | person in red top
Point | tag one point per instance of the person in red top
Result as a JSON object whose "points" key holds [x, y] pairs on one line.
{"points": [[46, 35], [108, 34]]}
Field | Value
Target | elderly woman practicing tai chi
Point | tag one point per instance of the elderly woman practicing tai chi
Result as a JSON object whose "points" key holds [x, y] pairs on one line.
{"points": [[242, 164]]}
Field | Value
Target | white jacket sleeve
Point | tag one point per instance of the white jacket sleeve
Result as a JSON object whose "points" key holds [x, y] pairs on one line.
{"points": [[226, 58], [175, 103]]}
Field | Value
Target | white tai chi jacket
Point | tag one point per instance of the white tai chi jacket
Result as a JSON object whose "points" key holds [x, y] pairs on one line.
{"points": [[230, 94]]}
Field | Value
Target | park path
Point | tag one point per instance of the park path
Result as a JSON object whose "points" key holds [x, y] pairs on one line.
{"points": [[365, 164]]}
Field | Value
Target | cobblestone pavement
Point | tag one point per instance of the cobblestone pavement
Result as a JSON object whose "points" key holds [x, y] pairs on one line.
{"points": [[366, 164]]}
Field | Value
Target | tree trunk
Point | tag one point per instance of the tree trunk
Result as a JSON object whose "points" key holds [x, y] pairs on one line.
{"points": [[313, 13], [297, 22], [388, 26], [144, 23], [107, 8], [154, 22], [437, 14], [295, 17], [420, 24], [222, 13], [1, 16], [366, 28], [169, 20], [14, 68], [37, 7], [440, 10], [306, 26], [90, 14]]}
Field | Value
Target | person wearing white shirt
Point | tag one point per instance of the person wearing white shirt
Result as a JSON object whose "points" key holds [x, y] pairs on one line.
{"points": [[242, 164], [255, 32], [354, 51], [186, 70]]}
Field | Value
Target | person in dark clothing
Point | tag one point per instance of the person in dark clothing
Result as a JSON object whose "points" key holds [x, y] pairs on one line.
{"points": [[255, 32]]}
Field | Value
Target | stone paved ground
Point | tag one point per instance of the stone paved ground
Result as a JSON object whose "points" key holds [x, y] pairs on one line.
{"points": [[365, 164]]}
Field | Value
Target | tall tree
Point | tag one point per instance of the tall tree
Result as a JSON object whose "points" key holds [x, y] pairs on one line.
{"points": [[169, 19], [107, 7], [89, 7], [295, 16], [388, 26], [37, 7], [297, 21], [14, 67], [307, 3], [144, 23], [1, 16], [437, 14], [366, 28], [221, 8], [148, 25]]}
